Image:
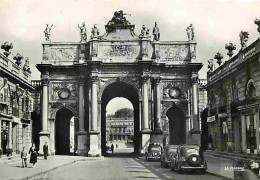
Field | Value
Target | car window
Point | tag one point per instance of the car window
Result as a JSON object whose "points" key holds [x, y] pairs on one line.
{"points": [[185, 151], [173, 150]]}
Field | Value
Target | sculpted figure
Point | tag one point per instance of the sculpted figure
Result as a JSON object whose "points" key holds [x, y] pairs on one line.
{"points": [[47, 32], [156, 32], [244, 35], [94, 32], [143, 32], [190, 33], [26, 66], [211, 65], [83, 32]]}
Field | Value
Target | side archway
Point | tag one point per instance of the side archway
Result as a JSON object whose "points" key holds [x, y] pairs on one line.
{"points": [[177, 124], [63, 131]]}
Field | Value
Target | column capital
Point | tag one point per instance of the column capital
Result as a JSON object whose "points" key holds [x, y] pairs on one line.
{"points": [[94, 79], [157, 80], [81, 81], [145, 79], [45, 82], [195, 79]]}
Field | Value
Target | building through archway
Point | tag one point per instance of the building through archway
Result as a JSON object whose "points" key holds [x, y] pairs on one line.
{"points": [[153, 75]]}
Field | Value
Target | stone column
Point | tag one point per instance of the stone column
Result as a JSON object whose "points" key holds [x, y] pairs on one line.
{"points": [[243, 128], [94, 133], [145, 117], [195, 131], [157, 123], [195, 103], [44, 134], [82, 134], [256, 119], [10, 132]]}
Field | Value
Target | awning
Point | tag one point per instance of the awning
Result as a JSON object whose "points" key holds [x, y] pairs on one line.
{"points": [[211, 119]]}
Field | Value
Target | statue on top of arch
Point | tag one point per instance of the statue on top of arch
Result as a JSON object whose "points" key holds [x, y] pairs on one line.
{"points": [[118, 19]]}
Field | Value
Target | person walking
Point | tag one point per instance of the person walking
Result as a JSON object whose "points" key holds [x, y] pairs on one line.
{"points": [[45, 150], [24, 157], [210, 142], [33, 157], [112, 148]]}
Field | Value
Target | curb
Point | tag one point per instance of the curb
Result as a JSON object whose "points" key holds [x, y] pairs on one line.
{"points": [[49, 170], [217, 175]]}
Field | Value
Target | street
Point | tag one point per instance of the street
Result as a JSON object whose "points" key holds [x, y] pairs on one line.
{"points": [[120, 165]]}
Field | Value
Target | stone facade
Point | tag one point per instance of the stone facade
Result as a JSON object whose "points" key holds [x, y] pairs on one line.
{"points": [[233, 102], [16, 103], [157, 77], [119, 129]]}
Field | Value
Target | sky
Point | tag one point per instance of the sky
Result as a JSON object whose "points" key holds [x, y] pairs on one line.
{"points": [[216, 22]]}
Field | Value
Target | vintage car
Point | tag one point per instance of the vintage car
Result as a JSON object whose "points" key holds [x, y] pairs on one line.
{"points": [[168, 151], [153, 152], [189, 157]]}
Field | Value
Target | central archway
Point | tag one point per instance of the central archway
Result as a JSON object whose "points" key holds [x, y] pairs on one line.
{"points": [[125, 90]]}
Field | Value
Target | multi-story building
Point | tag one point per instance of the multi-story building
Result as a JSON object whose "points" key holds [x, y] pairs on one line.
{"points": [[16, 103], [120, 129], [233, 99]]}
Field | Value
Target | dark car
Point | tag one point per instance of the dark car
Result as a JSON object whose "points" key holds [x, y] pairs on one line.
{"points": [[153, 152], [188, 157], [168, 151]]}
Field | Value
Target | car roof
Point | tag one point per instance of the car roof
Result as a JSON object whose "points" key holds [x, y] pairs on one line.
{"points": [[169, 146], [189, 146]]}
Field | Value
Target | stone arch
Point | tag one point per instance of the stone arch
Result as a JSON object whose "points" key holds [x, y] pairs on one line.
{"points": [[62, 132], [127, 81], [168, 105], [57, 107]]}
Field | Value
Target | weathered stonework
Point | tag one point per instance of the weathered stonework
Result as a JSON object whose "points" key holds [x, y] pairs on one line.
{"points": [[85, 76]]}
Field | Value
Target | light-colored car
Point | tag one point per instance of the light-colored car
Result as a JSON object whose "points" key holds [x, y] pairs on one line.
{"points": [[189, 157], [168, 151]]}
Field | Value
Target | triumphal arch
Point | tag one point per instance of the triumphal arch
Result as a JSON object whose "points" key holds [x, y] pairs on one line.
{"points": [[159, 78]]}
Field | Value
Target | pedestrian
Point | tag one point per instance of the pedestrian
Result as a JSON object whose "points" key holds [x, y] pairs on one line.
{"points": [[116, 146], [112, 148], [33, 157], [45, 150], [210, 142], [24, 157]]}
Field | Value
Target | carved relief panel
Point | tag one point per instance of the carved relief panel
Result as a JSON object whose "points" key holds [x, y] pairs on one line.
{"points": [[60, 53], [172, 54], [64, 91], [175, 90]]}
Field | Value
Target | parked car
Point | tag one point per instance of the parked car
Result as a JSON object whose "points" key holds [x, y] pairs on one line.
{"points": [[168, 151], [153, 152], [189, 157]]}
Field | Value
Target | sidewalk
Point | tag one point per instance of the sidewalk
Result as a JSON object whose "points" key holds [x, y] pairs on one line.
{"points": [[15, 171], [220, 166]]}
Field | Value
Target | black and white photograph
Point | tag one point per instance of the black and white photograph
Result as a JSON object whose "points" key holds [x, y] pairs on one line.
{"points": [[130, 89]]}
